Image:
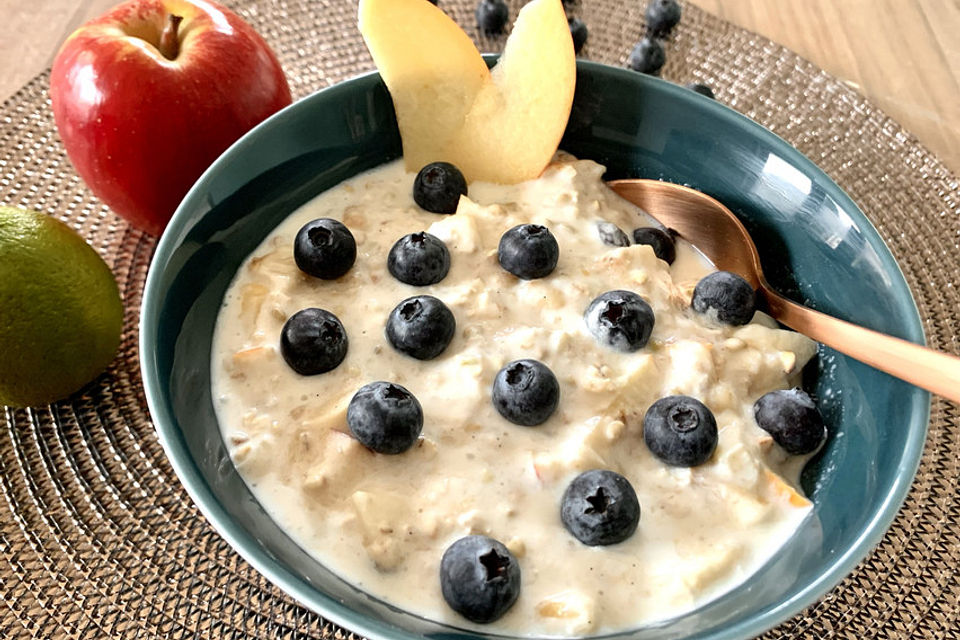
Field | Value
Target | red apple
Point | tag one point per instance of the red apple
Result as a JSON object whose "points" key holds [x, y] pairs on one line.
{"points": [[146, 96]]}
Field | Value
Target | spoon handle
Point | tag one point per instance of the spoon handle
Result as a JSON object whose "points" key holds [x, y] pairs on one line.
{"points": [[928, 369]]}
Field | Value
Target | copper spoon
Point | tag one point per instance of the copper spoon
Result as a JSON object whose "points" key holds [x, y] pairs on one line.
{"points": [[720, 236]]}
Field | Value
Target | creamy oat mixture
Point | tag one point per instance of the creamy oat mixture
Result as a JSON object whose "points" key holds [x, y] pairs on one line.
{"points": [[383, 521]]}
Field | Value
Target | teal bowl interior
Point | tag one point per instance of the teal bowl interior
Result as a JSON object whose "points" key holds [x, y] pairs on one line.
{"points": [[816, 246]]}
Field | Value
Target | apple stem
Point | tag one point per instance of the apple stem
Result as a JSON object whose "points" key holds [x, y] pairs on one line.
{"points": [[169, 42]]}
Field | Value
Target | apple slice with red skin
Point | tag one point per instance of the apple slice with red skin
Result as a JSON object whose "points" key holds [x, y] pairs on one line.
{"points": [[148, 95]]}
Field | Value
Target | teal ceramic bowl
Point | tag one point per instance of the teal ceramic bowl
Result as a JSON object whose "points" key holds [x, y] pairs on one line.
{"points": [[816, 246]]}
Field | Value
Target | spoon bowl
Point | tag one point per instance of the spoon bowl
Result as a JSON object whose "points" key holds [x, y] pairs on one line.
{"points": [[721, 237]]}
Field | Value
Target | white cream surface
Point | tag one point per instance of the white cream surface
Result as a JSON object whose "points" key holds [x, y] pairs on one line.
{"points": [[383, 522]]}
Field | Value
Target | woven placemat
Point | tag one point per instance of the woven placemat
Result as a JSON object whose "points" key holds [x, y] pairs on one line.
{"points": [[99, 540]]}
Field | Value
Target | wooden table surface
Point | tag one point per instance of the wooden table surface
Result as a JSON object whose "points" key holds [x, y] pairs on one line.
{"points": [[903, 54]]}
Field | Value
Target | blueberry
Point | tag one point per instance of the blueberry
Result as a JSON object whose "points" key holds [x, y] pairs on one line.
{"points": [[324, 248], [661, 241], [479, 578], [647, 57], [621, 320], [421, 327], [680, 431], [419, 259], [438, 187], [313, 341], [578, 31], [526, 392], [662, 16], [791, 417], [727, 294], [492, 16], [528, 251], [385, 417], [612, 235], [702, 89], [600, 507]]}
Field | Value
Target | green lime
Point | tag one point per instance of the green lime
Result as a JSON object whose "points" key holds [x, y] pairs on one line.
{"points": [[60, 310]]}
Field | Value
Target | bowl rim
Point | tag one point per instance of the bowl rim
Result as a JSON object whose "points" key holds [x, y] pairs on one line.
{"points": [[312, 598]]}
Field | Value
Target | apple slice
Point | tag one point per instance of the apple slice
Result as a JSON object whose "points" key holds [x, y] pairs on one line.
{"points": [[502, 126], [517, 120], [432, 68]]}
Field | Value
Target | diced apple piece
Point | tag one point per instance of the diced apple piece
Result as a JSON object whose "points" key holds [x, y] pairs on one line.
{"points": [[254, 456], [782, 490], [251, 300], [460, 232], [432, 69], [691, 370], [737, 466], [572, 611], [273, 263], [391, 526], [747, 509], [708, 568], [333, 416], [342, 462], [381, 518]]}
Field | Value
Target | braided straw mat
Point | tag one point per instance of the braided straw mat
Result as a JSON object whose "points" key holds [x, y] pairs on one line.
{"points": [[99, 540]]}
